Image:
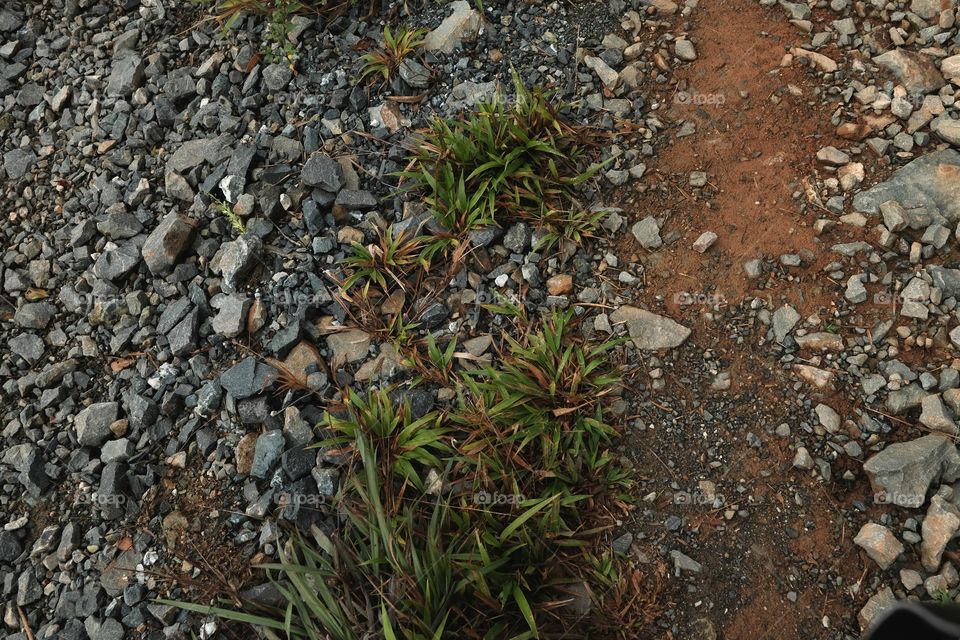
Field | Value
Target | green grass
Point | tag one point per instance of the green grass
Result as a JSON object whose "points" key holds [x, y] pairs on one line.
{"points": [[505, 163], [396, 47], [489, 550]]}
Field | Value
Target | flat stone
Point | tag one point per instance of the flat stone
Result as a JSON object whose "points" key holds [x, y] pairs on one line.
{"points": [[232, 316], [915, 71], [829, 419], [93, 423], [903, 472], [878, 604], [348, 346], [936, 416], [932, 181], [247, 378], [647, 233], [34, 315], [17, 162], [463, 24], [649, 331], [784, 320], [879, 543]]}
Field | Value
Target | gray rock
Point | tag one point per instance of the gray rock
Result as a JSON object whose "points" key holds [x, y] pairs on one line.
{"points": [[414, 74], [784, 320], [356, 200], [935, 415], [10, 547], [232, 317], [649, 331], [116, 262], [939, 526], [621, 545], [93, 423], [126, 75], [26, 459], [267, 452], [277, 76], [28, 589], [117, 451], [829, 419], [17, 162], [182, 338], [165, 244], [34, 315], [236, 260], [683, 562], [947, 128], [904, 471], [915, 297], [685, 50], [112, 494], [929, 182], [802, 459], [322, 171], [248, 378], [647, 233], [517, 238], [915, 71], [463, 24]]}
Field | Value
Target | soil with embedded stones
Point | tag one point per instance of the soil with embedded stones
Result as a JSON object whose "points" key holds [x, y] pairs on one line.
{"points": [[780, 248]]}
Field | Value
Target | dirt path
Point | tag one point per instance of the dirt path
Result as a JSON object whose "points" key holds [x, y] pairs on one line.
{"points": [[758, 127]]}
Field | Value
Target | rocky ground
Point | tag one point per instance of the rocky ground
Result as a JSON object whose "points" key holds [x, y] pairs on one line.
{"points": [[783, 182]]}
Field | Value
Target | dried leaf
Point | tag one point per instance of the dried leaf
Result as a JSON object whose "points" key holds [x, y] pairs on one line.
{"points": [[119, 365], [33, 294]]}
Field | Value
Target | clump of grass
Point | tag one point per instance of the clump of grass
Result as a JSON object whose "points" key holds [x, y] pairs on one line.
{"points": [[505, 163], [279, 20], [396, 47], [472, 523], [229, 214], [386, 262]]}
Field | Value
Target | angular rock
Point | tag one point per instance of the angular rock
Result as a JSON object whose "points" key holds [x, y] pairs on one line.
{"points": [[322, 171], [236, 260], [902, 473], [879, 543], [165, 244], [93, 423], [915, 71], [939, 526], [932, 181], [649, 331], [647, 233], [267, 452], [935, 415], [463, 24], [232, 317], [248, 378]]}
